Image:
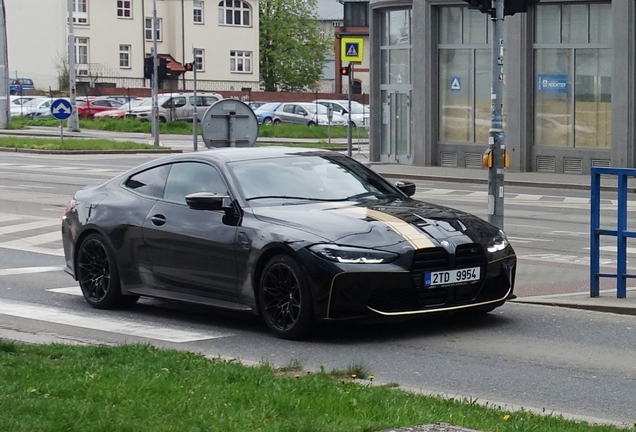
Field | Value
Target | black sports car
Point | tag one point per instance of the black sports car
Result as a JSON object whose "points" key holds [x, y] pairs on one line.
{"points": [[294, 235]]}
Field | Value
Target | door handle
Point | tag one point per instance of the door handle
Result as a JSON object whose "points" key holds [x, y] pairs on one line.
{"points": [[158, 220]]}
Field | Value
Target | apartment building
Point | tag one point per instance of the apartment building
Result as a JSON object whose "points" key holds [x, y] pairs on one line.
{"points": [[112, 38]]}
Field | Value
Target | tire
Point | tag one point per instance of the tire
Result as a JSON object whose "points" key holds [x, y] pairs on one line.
{"points": [[285, 299], [267, 121], [98, 275], [311, 124], [277, 121], [162, 119]]}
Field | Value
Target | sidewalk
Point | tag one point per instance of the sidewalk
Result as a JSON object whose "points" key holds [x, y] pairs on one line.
{"points": [[557, 284]]}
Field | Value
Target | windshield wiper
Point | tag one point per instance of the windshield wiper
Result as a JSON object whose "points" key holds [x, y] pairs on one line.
{"points": [[291, 197]]}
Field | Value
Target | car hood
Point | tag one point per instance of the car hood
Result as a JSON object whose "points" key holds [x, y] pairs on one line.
{"points": [[395, 225]]}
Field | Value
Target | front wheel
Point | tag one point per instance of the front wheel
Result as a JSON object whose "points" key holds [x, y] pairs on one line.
{"points": [[285, 299], [98, 276], [267, 121]]}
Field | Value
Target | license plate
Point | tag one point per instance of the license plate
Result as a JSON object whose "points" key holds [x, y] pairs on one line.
{"points": [[451, 277]]}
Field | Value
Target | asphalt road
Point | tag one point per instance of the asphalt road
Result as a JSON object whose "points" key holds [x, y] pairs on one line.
{"points": [[563, 360]]}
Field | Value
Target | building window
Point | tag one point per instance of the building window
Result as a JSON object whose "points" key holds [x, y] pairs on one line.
{"points": [[81, 55], [199, 59], [573, 75], [80, 11], [197, 12], [148, 29], [356, 14], [124, 56], [464, 75], [235, 12], [241, 61], [124, 8]]}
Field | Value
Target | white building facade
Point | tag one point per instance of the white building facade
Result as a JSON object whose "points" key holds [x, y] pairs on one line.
{"points": [[113, 37]]}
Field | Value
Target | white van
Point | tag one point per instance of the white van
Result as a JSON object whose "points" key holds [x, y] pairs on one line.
{"points": [[176, 106]]}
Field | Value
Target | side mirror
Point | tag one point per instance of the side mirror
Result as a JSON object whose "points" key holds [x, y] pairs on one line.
{"points": [[407, 188], [207, 201]]}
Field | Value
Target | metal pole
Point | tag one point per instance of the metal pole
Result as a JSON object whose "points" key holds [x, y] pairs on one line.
{"points": [[155, 77], [195, 138], [496, 143], [5, 118], [73, 123], [350, 76]]}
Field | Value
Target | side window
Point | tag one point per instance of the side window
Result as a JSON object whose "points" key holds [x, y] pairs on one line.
{"points": [[150, 182], [209, 100], [190, 177], [288, 109], [300, 110]]}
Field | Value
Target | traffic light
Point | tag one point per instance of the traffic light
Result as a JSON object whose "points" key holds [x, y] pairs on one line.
{"points": [[189, 67], [162, 69], [511, 7], [344, 70], [148, 67]]}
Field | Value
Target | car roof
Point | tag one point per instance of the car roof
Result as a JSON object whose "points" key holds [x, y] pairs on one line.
{"points": [[235, 154]]}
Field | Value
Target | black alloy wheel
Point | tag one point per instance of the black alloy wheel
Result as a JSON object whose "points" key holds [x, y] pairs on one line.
{"points": [[285, 299], [98, 276]]}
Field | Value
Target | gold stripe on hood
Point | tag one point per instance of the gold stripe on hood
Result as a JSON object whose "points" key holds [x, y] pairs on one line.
{"points": [[414, 236]]}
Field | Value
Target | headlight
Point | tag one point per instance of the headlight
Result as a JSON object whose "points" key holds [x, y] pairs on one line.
{"points": [[498, 243], [352, 255]]}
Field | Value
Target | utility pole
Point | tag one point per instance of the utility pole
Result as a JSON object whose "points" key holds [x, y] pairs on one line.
{"points": [[155, 77], [496, 138], [496, 158], [72, 123], [4, 70], [349, 132], [195, 136]]}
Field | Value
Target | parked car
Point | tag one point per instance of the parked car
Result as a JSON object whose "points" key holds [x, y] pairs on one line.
{"points": [[265, 113], [295, 235], [20, 85], [310, 114], [360, 114], [177, 106], [256, 104], [122, 111], [92, 106], [29, 107]]}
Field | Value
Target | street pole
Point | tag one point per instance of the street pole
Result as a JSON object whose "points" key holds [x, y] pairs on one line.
{"points": [[4, 70], [195, 138], [73, 122], [155, 77], [349, 137], [496, 142]]}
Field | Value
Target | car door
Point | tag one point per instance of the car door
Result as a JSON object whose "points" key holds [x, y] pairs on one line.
{"points": [[191, 252], [286, 113], [174, 108]]}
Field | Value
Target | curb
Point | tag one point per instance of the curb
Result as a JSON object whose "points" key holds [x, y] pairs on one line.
{"points": [[54, 151]]}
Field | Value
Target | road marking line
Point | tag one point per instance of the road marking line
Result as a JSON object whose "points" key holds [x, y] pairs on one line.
{"points": [[35, 240], [630, 250], [25, 247], [103, 323], [30, 226], [74, 290], [29, 270], [7, 217], [527, 240]]}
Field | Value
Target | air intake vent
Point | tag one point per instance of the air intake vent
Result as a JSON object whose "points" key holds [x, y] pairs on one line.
{"points": [[449, 159], [603, 163], [546, 164], [469, 255], [473, 160], [572, 166]]}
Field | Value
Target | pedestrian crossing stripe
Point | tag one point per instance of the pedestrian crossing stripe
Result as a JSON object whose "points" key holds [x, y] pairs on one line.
{"points": [[31, 234]]}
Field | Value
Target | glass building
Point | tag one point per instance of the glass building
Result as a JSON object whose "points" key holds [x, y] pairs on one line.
{"points": [[569, 94]]}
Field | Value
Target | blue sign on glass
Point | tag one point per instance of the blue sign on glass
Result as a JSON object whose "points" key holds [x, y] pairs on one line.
{"points": [[553, 83], [455, 83]]}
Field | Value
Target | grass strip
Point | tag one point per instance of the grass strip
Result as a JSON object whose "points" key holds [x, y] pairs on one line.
{"points": [[143, 388], [72, 144], [282, 130]]}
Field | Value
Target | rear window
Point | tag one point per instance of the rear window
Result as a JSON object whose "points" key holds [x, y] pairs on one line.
{"points": [[26, 81]]}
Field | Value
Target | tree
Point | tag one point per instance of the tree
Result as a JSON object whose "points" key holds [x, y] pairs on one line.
{"points": [[292, 52]]}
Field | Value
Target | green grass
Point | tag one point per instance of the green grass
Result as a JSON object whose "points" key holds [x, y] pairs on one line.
{"points": [[185, 128], [141, 388], [72, 144]]}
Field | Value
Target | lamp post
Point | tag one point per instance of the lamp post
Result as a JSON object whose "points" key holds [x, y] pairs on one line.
{"points": [[4, 70], [72, 124]]}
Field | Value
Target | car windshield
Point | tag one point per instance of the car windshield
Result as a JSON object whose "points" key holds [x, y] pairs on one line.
{"points": [[271, 106], [311, 108], [358, 108], [308, 177]]}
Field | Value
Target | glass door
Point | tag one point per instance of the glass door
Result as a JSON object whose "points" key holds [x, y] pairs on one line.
{"points": [[396, 126]]}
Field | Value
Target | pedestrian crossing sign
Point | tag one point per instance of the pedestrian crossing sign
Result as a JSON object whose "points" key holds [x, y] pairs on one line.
{"points": [[351, 49]]}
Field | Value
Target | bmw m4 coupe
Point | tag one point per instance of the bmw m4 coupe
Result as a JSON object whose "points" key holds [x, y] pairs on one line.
{"points": [[297, 236]]}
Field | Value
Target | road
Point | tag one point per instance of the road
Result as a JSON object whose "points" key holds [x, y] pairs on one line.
{"points": [[563, 360]]}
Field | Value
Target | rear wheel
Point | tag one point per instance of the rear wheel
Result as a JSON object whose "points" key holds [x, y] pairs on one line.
{"points": [[311, 124], [98, 276], [285, 299]]}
